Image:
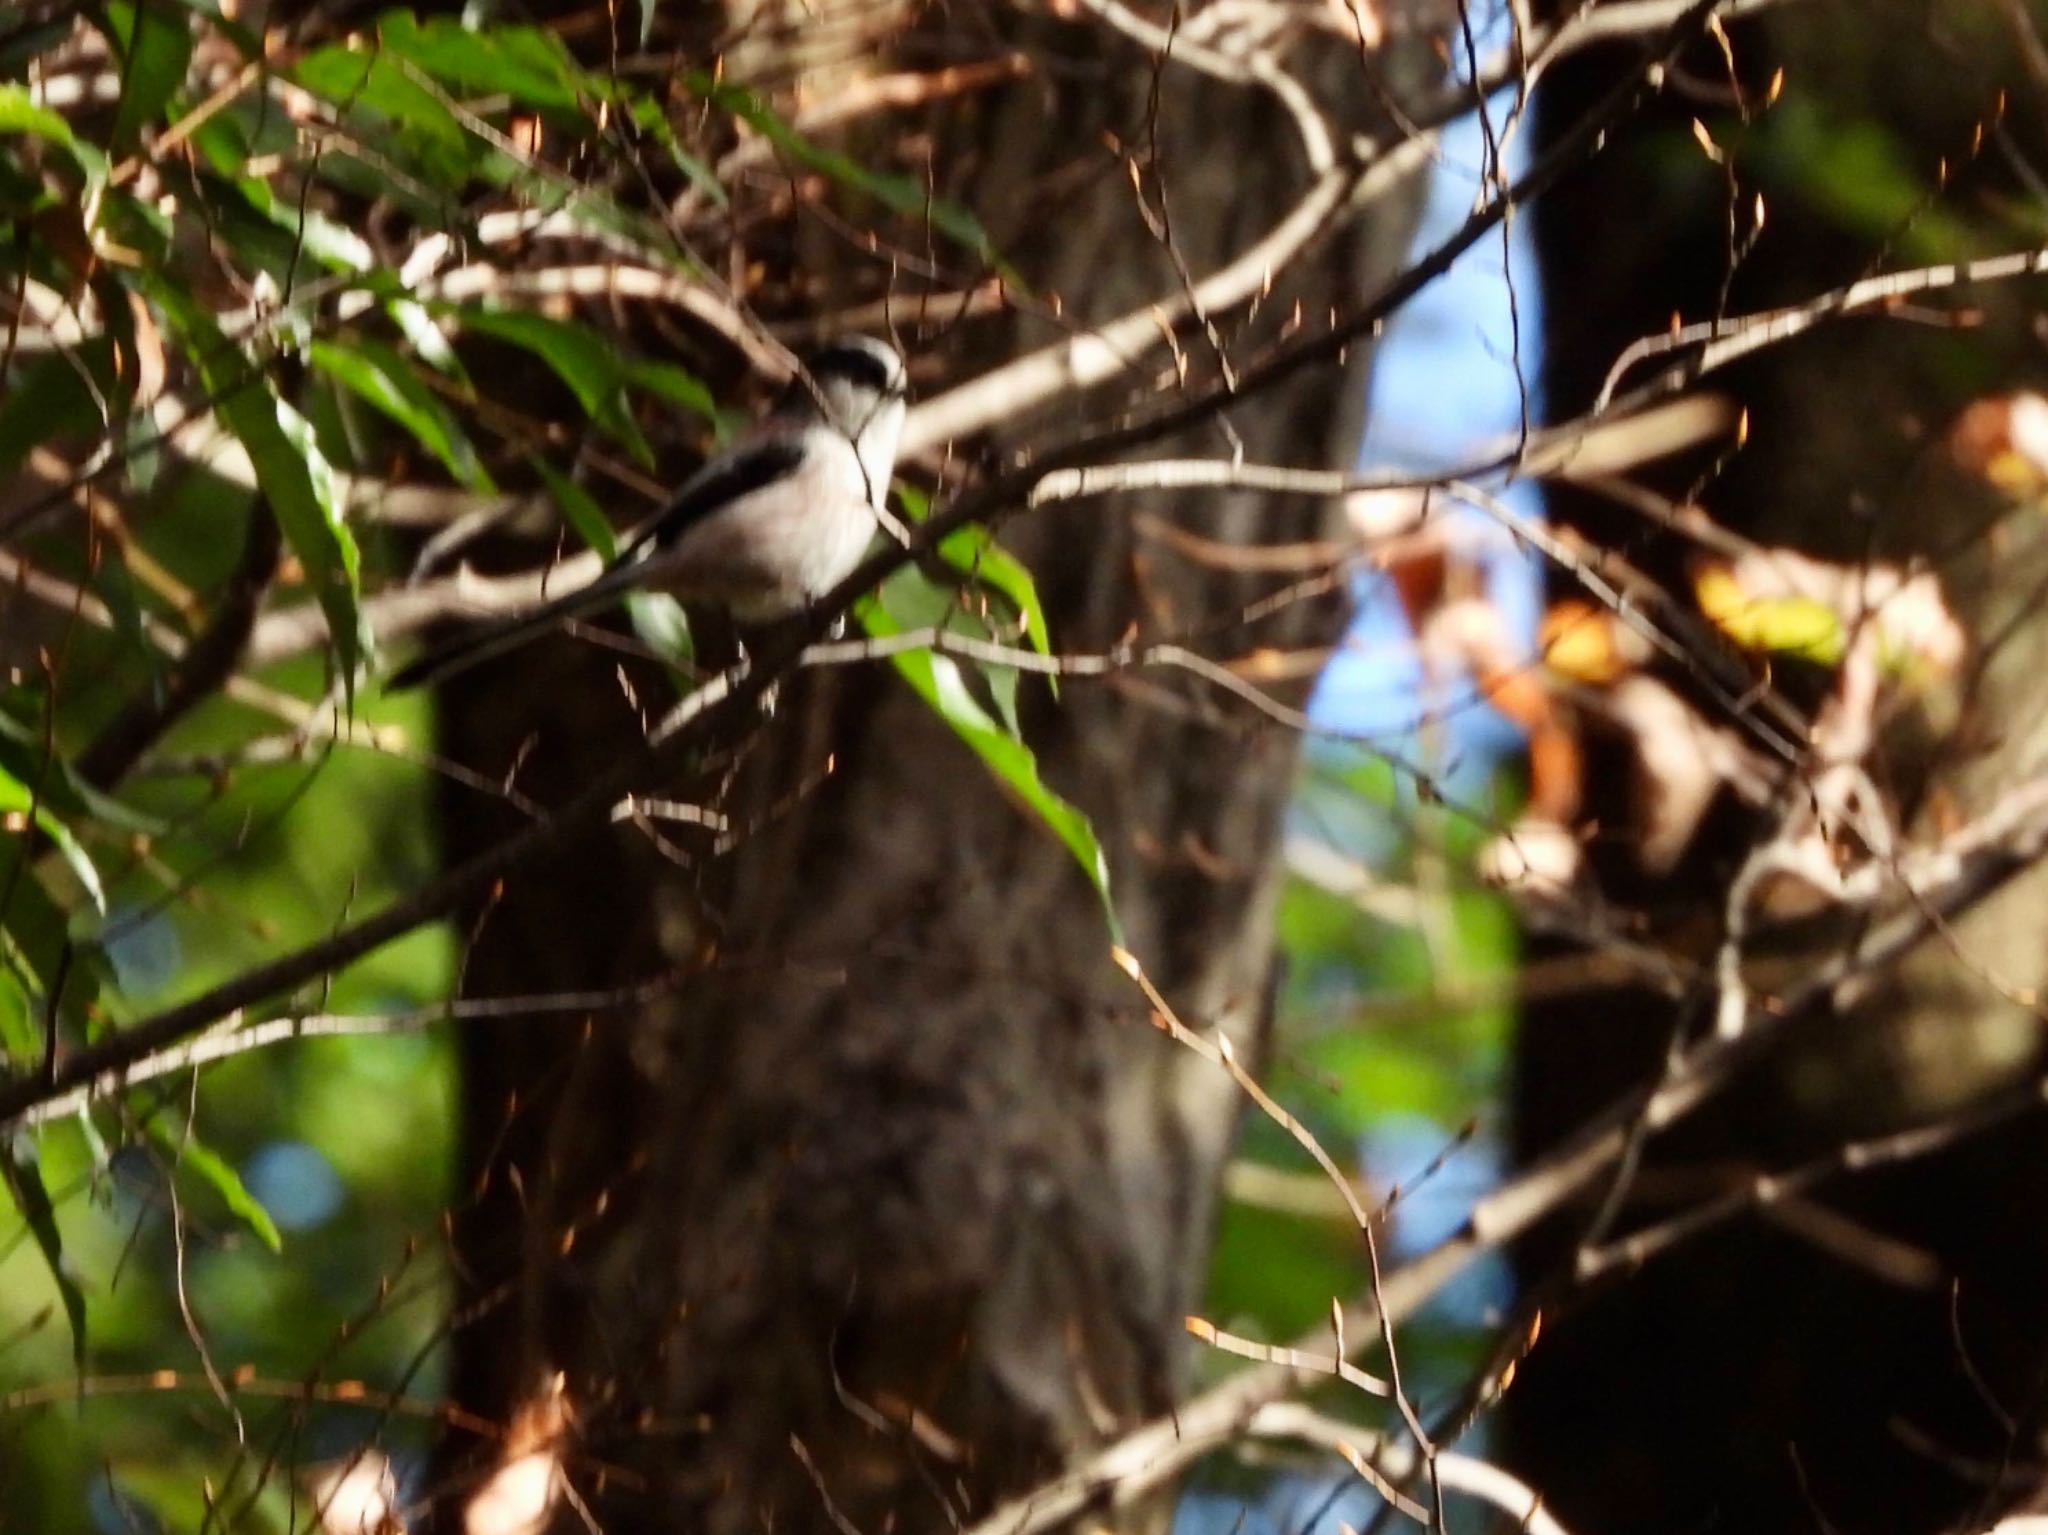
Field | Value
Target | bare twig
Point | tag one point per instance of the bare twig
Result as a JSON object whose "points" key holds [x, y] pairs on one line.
{"points": [[678, 734], [232, 1038], [309, 719], [1392, 1463], [1722, 342], [1157, 1450]]}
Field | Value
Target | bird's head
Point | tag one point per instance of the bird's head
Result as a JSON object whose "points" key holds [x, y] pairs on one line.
{"points": [[848, 384]]}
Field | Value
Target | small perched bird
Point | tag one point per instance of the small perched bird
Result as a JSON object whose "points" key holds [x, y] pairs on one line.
{"points": [[762, 530]]}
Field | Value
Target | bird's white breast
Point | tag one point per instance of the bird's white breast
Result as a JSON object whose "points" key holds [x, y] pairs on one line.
{"points": [[774, 551]]}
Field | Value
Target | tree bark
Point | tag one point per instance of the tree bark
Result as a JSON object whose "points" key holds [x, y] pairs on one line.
{"points": [[897, 1200], [1752, 1380]]}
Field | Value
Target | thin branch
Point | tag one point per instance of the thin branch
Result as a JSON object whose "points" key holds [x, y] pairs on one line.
{"points": [[231, 1038], [1722, 342], [200, 671], [667, 747], [308, 719], [1768, 1190], [398, 612], [1159, 1449], [1100, 354], [672, 742], [1393, 1462]]}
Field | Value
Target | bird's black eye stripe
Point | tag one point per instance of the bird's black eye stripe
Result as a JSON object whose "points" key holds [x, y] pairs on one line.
{"points": [[856, 365]]}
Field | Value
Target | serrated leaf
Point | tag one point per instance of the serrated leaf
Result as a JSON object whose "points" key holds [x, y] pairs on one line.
{"points": [[938, 681], [17, 798], [296, 480], [153, 50], [24, 1179], [377, 374], [586, 362], [184, 1149]]}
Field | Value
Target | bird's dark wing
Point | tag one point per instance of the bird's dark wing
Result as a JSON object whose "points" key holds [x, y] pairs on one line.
{"points": [[750, 467]]}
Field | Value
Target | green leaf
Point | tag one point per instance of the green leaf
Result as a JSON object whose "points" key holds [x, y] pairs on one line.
{"points": [[1792, 625], [974, 552], [676, 386], [49, 399], [662, 626], [899, 194], [586, 362], [416, 76], [293, 474], [1855, 171], [1274, 1274], [41, 958], [526, 63], [24, 1179], [299, 483], [154, 49], [365, 81], [17, 798], [658, 619], [186, 1150], [21, 1039], [419, 328], [22, 753], [379, 375], [649, 117], [20, 115], [579, 510], [938, 681]]}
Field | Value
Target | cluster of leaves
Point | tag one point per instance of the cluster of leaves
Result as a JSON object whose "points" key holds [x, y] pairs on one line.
{"points": [[189, 242], [251, 232], [218, 235]]}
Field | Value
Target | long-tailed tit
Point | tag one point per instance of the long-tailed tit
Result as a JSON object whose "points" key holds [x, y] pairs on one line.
{"points": [[762, 530]]}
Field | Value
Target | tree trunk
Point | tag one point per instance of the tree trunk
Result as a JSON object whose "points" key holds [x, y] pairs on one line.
{"points": [[1759, 1379], [897, 1200]]}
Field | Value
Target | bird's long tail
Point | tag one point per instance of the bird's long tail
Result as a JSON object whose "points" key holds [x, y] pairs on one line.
{"points": [[491, 640]]}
